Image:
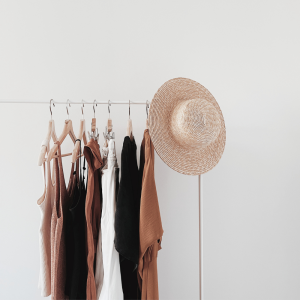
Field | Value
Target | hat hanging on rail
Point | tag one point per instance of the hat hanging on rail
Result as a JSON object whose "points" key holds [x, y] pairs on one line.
{"points": [[187, 127]]}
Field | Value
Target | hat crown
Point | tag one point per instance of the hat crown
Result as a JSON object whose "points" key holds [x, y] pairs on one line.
{"points": [[195, 123]]}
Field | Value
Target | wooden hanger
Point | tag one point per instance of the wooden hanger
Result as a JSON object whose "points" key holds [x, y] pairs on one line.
{"points": [[109, 120], [68, 130], [81, 135], [129, 129], [94, 131], [108, 134], [94, 119], [50, 134], [147, 109], [129, 126]]}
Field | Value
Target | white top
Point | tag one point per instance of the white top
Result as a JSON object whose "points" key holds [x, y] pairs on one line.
{"points": [[112, 285], [45, 203]]}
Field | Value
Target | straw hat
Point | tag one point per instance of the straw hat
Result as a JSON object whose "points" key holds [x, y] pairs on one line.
{"points": [[186, 126]]}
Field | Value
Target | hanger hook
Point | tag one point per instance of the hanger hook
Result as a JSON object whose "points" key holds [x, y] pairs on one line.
{"points": [[109, 104], [82, 109], [51, 100], [147, 108], [68, 102], [95, 102], [129, 109]]}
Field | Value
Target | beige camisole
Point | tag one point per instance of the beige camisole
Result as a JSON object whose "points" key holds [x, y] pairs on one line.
{"points": [[45, 203]]}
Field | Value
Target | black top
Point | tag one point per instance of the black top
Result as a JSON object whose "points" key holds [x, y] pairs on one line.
{"points": [[76, 272], [127, 219], [142, 163], [79, 272]]}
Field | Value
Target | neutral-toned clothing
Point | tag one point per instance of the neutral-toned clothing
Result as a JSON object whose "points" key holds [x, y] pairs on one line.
{"points": [[68, 232], [45, 203], [127, 219], [151, 230], [92, 212], [58, 249], [112, 286], [99, 272], [76, 239]]}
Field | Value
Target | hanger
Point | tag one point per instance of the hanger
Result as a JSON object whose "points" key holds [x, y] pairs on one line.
{"points": [[129, 126], [147, 110], [50, 133], [81, 135], [94, 119], [109, 120], [108, 134], [68, 130], [94, 131]]}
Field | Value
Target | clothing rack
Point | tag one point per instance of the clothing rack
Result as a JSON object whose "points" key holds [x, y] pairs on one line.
{"points": [[129, 102], [18, 101]]}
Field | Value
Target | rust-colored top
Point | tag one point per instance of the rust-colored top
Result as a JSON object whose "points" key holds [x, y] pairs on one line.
{"points": [[151, 230], [58, 250], [93, 208]]}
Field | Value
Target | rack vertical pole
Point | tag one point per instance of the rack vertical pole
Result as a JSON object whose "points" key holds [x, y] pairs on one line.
{"points": [[200, 240]]}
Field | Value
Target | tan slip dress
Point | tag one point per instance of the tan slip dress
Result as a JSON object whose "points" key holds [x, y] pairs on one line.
{"points": [[45, 204], [58, 249]]}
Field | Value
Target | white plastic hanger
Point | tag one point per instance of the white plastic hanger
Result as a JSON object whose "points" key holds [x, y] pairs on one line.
{"points": [[50, 134], [68, 130], [81, 135]]}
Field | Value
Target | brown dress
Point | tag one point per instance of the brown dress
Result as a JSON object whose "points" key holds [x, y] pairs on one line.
{"points": [[93, 208], [58, 249], [151, 230]]}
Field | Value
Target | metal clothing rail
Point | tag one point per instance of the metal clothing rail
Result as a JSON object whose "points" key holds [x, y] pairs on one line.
{"points": [[18, 101]]}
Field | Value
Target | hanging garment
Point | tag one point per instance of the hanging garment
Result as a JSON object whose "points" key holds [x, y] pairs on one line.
{"points": [[112, 286], [151, 230], [99, 272], [45, 203], [92, 212], [58, 224], [141, 171], [127, 219], [68, 231], [76, 239], [142, 162]]}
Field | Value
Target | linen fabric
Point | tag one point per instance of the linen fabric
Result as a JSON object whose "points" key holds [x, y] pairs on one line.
{"points": [[58, 224], [127, 219], [92, 212], [45, 204], [112, 286], [151, 230]]}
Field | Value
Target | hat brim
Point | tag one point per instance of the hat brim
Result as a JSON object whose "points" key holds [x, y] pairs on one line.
{"points": [[189, 161]]}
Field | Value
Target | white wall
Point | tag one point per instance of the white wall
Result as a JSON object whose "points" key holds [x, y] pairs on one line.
{"points": [[246, 53]]}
